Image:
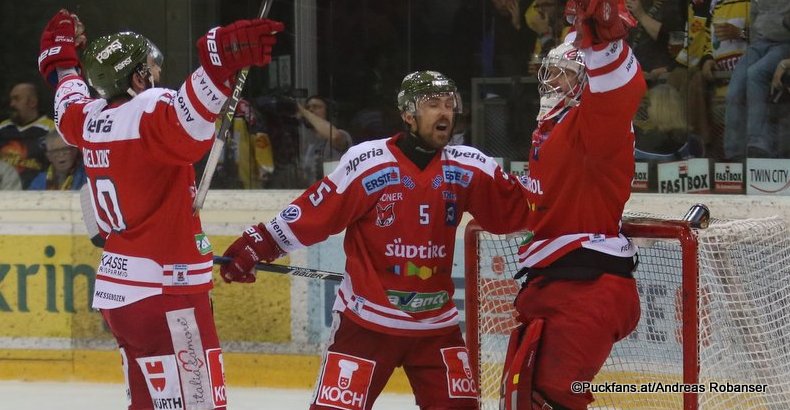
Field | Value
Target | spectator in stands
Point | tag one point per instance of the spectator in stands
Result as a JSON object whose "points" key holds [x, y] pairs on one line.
{"points": [[9, 178], [246, 161], [726, 44], [507, 43], [780, 84], [65, 171], [374, 121], [545, 18], [319, 140], [664, 136], [650, 39], [749, 129], [713, 47], [22, 135], [780, 90]]}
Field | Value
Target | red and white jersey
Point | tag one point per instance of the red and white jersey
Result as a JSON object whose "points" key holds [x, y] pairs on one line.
{"points": [[400, 225], [138, 157], [580, 172]]}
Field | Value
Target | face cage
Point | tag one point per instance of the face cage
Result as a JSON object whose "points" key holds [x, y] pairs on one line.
{"points": [[552, 84], [457, 104]]}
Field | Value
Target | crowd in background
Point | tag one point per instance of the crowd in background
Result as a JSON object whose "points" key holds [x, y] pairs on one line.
{"points": [[718, 71]]}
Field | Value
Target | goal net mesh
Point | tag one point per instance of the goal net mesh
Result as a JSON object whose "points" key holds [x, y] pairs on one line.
{"points": [[743, 309]]}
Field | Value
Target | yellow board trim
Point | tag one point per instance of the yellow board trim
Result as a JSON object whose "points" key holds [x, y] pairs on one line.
{"points": [[104, 366]]}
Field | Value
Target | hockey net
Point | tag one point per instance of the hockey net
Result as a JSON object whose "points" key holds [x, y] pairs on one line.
{"points": [[733, 279]]}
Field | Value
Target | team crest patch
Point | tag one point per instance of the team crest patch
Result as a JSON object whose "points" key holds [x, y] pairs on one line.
{"points": [[180, 274], [292, 213], [385, 216]]}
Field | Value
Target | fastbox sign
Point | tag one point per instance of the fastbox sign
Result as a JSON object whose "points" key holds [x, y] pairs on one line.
{"points": [[641, 177], [690, 176], [728, 177], [768, 176]]}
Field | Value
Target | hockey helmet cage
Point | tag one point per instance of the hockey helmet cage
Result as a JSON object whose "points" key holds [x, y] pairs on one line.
{"points": [[420, 85], [109, 62], [561, 79]]}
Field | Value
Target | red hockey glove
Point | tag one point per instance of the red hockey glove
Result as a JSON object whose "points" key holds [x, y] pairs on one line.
{"points": [[599, 21], [59, 42], [225, 50], [254, 245]]}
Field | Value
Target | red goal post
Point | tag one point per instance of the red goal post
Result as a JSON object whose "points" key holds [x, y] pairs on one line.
{"points": [[681, 316]]}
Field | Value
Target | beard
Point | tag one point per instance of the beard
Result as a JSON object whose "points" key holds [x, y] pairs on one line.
{"points": [[16, 117]]}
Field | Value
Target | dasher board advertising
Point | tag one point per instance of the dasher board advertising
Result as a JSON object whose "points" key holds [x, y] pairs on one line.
{"points": [[767, 176], [728, 177], [689, 176]]}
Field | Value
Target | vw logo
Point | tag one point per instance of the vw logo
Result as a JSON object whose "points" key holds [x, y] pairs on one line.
{"points": [[291, 213]]}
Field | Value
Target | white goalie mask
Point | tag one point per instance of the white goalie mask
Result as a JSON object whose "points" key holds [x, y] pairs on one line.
{"points": [[562, 77]]}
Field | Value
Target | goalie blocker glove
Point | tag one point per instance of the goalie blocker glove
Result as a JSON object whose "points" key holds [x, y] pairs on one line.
{"points": [[58, 45], [598, 21], [225, 50], [254, 245]]}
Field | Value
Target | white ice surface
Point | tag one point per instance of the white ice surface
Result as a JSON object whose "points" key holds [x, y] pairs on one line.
{"points": [[81, 396]]}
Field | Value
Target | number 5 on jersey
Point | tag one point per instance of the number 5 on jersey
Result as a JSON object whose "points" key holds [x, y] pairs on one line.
{"points": [[425, 217]]}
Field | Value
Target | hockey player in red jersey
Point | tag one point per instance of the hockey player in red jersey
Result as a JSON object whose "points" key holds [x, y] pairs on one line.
{"points": [[580, 295], [400, 200], [138, 143]]}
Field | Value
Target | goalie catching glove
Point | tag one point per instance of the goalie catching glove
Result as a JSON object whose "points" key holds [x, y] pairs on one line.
{"points": [[225, 50], [254, 245], [598, 21], [62, 36]]}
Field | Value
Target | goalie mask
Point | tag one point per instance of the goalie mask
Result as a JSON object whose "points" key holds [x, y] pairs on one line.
{"points": [[562, 77], [420, 86], [110, 61]]}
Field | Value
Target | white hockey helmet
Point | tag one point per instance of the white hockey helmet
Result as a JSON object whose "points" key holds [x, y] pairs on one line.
{"points": [[562, 77]]}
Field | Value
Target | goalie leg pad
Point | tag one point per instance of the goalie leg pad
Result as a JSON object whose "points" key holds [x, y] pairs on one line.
{"points": [[516, 389]]}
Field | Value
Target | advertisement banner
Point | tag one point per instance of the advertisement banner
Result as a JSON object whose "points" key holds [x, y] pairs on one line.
{"points": [[46, 288], [728, 177], [690, 176], [641, 177], [519, 168], [768, 176]]}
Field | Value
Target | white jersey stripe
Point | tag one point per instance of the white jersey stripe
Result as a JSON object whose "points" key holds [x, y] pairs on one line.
{"points": [[206, 92], [390, 317], [544, 252], [616, 78], [195, 125]]}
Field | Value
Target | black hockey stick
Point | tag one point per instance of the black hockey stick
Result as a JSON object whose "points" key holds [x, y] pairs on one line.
{"points": [[288, 270], [228, 111]]}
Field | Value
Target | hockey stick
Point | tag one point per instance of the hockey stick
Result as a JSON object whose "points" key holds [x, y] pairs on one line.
{"points": [[229, 110], [288, 270]]}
